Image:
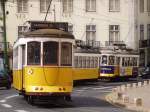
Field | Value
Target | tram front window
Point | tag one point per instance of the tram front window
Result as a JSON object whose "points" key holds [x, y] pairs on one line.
{"points": [[66, 54], [104, 60], [33, 53], [111, 60], [50, 53]]}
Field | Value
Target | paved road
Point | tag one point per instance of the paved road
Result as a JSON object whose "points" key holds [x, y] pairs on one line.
{"points": [[89, 97]]}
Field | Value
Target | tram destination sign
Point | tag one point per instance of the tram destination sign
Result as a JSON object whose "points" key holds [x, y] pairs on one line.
{"points": [[35, 25]]}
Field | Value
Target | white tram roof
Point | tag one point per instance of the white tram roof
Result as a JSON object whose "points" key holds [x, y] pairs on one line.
{"points": [[45, 35], [49, 33]]}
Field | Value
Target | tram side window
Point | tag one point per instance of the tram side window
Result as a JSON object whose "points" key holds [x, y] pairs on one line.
{"points": [[84, 62], [118, 60], [15, 58], [87, 62], [104, 60], [76, 61], [92, 62], [111, 60], [134, 61], [80, 62], [66, 54], [50, 53], [33, 53], [96, 62], [23, 54], [123, 61]]}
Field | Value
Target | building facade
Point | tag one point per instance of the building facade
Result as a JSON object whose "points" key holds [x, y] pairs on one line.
{"points": [[144, 31], [97, 20]]}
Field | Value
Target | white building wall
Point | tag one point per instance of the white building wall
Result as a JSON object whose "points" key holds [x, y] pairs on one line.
{"points": [[102, 18]]}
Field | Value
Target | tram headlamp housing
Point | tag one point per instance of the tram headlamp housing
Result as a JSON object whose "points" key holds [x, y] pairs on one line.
{"points": [[30, 71]]}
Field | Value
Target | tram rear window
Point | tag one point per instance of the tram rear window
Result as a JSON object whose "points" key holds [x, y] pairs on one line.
{"points": [[66, 54], [50, 53], [33, 53]]}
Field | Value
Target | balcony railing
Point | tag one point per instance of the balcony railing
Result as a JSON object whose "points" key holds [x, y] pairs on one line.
{"points": [[114, 43], [88, 44], [144, 43]]}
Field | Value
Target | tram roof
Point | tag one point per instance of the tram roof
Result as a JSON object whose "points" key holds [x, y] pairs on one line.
{"points": [[49, 33]]}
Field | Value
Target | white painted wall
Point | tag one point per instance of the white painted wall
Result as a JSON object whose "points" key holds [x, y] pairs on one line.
{"points": [[102, 18]]}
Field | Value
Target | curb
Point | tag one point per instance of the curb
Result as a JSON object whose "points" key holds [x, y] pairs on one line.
{"points": [[124, 102], [120, 104]]}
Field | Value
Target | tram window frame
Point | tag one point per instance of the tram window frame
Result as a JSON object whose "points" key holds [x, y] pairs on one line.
{"points": [[50, 53], [15, 58], [31, 53], [111, 60], [102, 61], [68, 57]]}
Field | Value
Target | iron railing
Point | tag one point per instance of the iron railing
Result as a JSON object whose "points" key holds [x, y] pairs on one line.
{"points": [[88, 44], [113, 43]]}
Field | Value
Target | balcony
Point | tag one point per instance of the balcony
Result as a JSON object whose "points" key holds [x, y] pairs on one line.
{"points": [[144, 43], [115, 43], [90, 44]]}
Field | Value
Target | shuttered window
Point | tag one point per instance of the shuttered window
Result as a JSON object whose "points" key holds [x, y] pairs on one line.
{"points": [[141, 4], [91, 5], [90, 32], [67, 6], [44, 5], [148, 5], [22, 6], [114, 5]]}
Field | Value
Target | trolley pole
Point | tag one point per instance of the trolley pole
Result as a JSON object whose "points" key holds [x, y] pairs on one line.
{"points": [[6, 62]]}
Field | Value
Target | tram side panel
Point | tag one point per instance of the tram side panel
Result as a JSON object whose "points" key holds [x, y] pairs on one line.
{"points": [[85, 74], [86, 67], [17, 79]]}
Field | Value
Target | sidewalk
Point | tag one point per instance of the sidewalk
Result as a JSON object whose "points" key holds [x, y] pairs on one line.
{"points": [[135, 96]]}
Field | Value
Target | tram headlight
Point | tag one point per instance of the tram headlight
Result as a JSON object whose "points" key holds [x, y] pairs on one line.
{"points": [[36, 88], [30, 71]]}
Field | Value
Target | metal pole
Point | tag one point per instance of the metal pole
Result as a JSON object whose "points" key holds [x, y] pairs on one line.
{"points": [[48, 9], [6, 62], [54, 14]]}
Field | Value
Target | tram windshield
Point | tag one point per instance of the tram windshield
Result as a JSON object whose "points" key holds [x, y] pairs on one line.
{"points": [[104, 60], [66, 54], [50, 53], [33, 53]]}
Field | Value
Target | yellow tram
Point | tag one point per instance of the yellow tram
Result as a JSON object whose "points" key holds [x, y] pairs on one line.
{"points": [[118, 64], [42, 64]]}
